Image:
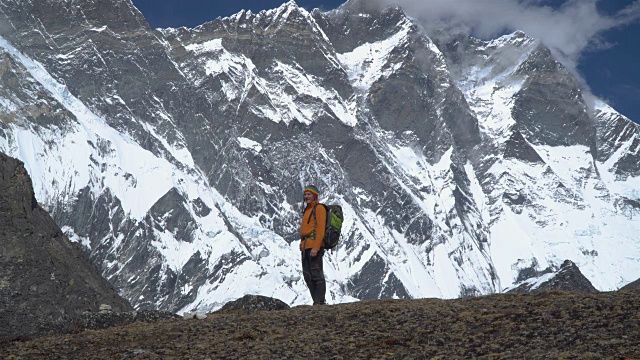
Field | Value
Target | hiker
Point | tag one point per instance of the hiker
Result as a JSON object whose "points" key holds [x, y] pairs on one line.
{"points": [[312, 231]]}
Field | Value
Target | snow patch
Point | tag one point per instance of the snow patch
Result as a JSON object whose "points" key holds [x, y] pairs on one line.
{"points": [[249, 144], [371, 61]]}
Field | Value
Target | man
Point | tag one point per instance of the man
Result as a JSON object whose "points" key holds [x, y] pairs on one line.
{"points": [[314, 220]]}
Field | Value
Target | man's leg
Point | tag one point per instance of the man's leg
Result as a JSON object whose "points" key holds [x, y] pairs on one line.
{"points": [[317, 279], [306, 273]]}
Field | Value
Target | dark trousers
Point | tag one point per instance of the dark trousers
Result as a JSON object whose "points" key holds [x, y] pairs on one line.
{"points": [[314, 276]]}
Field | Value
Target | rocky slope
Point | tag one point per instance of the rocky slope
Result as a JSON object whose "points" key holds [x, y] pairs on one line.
{"points": [[567, 278], [558, 325], [176, 157], [46, 282]]}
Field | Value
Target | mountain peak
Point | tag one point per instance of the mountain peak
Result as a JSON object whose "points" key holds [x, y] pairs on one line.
{"points": [[517, 38], [282, 12], [287, 8]]}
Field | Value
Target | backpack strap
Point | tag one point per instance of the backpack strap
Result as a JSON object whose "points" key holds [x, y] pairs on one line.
{"points": [[315, 220], [313, 212]]}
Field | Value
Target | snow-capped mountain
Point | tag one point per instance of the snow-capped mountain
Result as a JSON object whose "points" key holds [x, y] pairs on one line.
{"points": [[177, 157]]}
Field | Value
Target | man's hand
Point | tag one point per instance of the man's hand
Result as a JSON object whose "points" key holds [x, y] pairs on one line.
{"points": [[314, 253]]}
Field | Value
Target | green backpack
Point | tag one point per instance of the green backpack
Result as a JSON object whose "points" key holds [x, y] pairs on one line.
{"points": [[334, 225]]}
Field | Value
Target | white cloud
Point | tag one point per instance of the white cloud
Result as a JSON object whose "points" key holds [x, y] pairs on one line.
{"points": [[569, 30]]}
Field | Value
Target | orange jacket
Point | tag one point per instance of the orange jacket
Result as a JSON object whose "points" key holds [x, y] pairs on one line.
{"points": [[308, 227]]}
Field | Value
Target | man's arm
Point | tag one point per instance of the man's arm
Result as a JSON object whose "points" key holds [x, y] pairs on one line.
{"points": [[321, 225]]}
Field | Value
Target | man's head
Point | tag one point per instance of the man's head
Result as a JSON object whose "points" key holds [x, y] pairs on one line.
{"points": [[310, 193]]}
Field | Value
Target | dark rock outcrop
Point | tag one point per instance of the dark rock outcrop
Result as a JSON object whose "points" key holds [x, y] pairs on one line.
{"points": [[634, 285], [46, 281], [253, 303], [567, 278]]}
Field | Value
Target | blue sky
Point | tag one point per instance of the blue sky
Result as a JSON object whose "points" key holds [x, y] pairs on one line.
{"points": [[601, 37]]}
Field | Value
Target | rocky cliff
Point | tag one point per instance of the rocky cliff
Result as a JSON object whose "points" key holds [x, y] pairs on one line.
{"points": [[47, 281]]}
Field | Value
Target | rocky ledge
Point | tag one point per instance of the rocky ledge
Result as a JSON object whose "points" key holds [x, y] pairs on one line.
{"points": [[549, 324]]}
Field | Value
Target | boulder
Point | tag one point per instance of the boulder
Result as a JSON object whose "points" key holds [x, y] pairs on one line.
{"points": [[253, 303]]}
